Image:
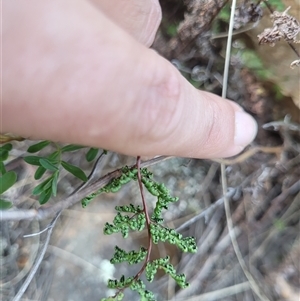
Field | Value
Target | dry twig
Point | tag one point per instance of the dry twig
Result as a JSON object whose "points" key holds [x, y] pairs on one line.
{"points": [[46, 212]]}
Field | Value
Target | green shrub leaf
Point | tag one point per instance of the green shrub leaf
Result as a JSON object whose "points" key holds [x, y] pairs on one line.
{"points": [[54, 183], [43, 186], [7, 180], [38, 146], [7, 147], [54, 157], [39, 172], [5, 205], [71, 148], [3, 154], [4, 151], [2, 168], [33, 160], [74, 170], [45, 196], [91, 154], [48, 165]]}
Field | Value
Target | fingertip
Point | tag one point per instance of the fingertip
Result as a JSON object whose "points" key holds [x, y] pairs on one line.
{"points": [[154, 19], [245, 129]]}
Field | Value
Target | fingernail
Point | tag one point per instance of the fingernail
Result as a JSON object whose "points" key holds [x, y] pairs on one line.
{"points": [[245, 129]]}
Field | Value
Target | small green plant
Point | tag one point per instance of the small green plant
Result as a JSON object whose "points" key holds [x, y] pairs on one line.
{"points": [[279, 224], [128, 218], [53, 163], [276, 4], [252, 61], [134, 218]]}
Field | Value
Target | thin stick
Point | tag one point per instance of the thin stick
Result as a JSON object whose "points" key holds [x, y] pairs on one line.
{"points": [[207, 211], [49, 228], [221, 293], [228, 50], [249, 153], [236, 248], [46, 212], [38, 262]]}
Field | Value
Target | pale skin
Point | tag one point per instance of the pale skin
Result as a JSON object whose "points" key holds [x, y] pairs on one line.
{"points": [[79, 71]]}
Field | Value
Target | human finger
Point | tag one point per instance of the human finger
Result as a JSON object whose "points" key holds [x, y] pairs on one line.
{"points": [[67, 78], [140, 18]]}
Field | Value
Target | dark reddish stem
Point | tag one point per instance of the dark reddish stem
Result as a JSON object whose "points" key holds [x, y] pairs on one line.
{"points": [[148, 221]]}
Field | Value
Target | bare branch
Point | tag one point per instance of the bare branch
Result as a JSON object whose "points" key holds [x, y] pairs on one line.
{"points": [[46, 212], [255, 287], [38, 261], [50, 228], [207, 211]]}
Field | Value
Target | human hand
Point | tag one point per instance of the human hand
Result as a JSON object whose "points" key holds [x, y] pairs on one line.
{"points": [[79, 71]]}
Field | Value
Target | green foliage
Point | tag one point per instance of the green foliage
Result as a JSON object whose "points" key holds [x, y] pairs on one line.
{"points": [[91, 154], [39, 172], [52, 164], [114, 185], [171, 30], [2, 168], [7, 181], [163, 198], [7, 178], [276, 89], [139, 286], [129, 208], [71, 148], [132, 257], [128, 217], [124, 223], [133, 218], [38, 146], [48, 187], [5, 204], [134, 284], [7, 147], [160, 233], [252, 61], [74, 170], [169, 27], [164, 264], [4, 153], [277, 5], [224, 13], [279, 224], [120, 284], [47, 164], [33, 160]]}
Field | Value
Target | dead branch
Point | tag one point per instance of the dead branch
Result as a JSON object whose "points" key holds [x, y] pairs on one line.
{"points": [[46, 212]]}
